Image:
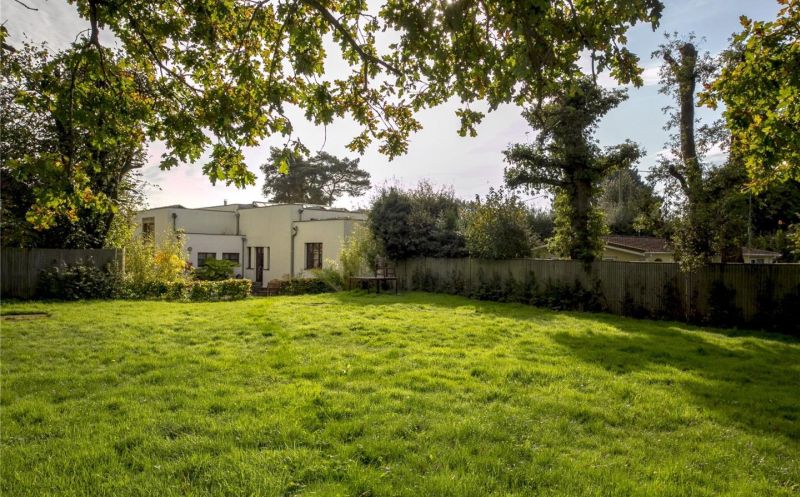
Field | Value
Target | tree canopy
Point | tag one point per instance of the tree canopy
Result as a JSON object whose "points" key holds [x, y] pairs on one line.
{"points": [[320, 179], [760, 86], [497, 227], [566, 160], [420, 222], [684, 171], [630, 206], [224, 73], [209, 78], [73, 136]]}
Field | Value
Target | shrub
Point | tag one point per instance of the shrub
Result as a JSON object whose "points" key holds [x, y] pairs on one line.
{"points": [[195, 291], [149, 267], [177, 290], [570, 297], [722, 310], [631, 308], [360, 253], [331, 276], [301, 286], [81, 280], [497, 228], [215, 270]]}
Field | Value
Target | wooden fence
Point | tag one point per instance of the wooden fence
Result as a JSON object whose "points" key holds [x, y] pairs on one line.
{"points": [[657, 289], [20, 268]]}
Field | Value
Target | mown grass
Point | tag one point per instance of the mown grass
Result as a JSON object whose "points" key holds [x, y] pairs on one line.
{"points": [[416, 395]]}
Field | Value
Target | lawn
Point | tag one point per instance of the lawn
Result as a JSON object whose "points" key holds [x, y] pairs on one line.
{"points": [[415, 395]]}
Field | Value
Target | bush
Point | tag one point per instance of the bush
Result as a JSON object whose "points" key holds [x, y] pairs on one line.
{"points": [[722, 310], [81, 280], [301, 286], [570, 297], [360, 253], [215, 270], [331, 276], [149, 267], [497, 228], [195, 291]]}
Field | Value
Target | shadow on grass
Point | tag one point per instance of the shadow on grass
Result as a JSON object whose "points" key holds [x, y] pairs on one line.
{"points": [[523, 311], [751, 384], [752, 381]]}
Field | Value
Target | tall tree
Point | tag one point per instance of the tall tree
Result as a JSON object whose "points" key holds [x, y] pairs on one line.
{"points": [[320, 179], [222, 73], [420, 222], [72, 138], [497, 227], [760, 87], [630, 206], [566, 160], [684, 170]]}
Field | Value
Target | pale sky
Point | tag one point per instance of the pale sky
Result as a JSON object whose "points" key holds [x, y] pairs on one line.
{"points": [[436, 153]]}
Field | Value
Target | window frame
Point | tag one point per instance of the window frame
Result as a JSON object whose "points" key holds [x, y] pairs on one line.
{"points": [[205, 256], [149, 226], [313, 255], [237, 254]]}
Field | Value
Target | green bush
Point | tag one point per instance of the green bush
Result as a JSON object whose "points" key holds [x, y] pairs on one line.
{"points": [[150, 266], [215, 270], [331, 276], [81, 280], [195, 291], [722, 309], [301, 286], [234, 289]]}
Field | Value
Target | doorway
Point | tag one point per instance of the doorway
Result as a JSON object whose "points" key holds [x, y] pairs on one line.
{"points": [[260, 265]]}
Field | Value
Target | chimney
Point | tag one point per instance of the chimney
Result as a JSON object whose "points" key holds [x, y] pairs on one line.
{"points": [[225, 201]]}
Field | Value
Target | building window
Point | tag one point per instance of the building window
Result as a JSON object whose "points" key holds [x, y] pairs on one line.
{"points": [[148, 226], [202, 256], [266, 263], [249, 257], [231, 256], [313, 255]]}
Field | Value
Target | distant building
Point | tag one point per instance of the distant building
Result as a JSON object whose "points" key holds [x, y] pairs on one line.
{"points": [[654, 249], [637, 248], [266, 241], [758, 256]]}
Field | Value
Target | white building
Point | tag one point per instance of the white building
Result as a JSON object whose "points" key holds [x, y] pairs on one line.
{"points": [[267, 241]]}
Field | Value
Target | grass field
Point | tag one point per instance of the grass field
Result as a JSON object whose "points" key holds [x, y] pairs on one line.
{"points": [[416, 395]]}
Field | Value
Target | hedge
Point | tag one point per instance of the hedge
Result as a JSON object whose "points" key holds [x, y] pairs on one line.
{"points": [[195, 291]]}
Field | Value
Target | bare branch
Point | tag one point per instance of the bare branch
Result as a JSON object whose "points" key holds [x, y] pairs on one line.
{"points": [[314, 4], [26, 5]]}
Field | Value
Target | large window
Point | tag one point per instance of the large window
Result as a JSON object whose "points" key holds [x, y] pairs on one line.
{"points": [[148, 226], [231, 256], [202, 256], [249, 257], [313, 255]]}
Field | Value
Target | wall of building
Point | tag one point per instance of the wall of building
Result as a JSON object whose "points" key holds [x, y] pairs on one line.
{"points": [[616, 254], [218, 244], [214, 230], [268, 227], [331, 233]]}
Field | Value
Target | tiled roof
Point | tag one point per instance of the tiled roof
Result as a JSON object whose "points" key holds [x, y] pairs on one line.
{"points": [[754, 251], [639, 243]]}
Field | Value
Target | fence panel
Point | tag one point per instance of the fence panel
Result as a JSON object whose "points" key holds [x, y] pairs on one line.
{"points": [[20, 268], [653, 288]]}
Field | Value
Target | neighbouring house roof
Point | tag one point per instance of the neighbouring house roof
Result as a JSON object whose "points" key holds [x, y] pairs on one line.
{"points": [[758, 252], [641, 244]]}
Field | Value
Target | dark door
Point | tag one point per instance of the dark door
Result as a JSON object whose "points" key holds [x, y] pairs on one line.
{"points": [[259, 264]]}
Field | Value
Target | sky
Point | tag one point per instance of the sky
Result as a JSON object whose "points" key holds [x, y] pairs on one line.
{"points": [[436, 153]]}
